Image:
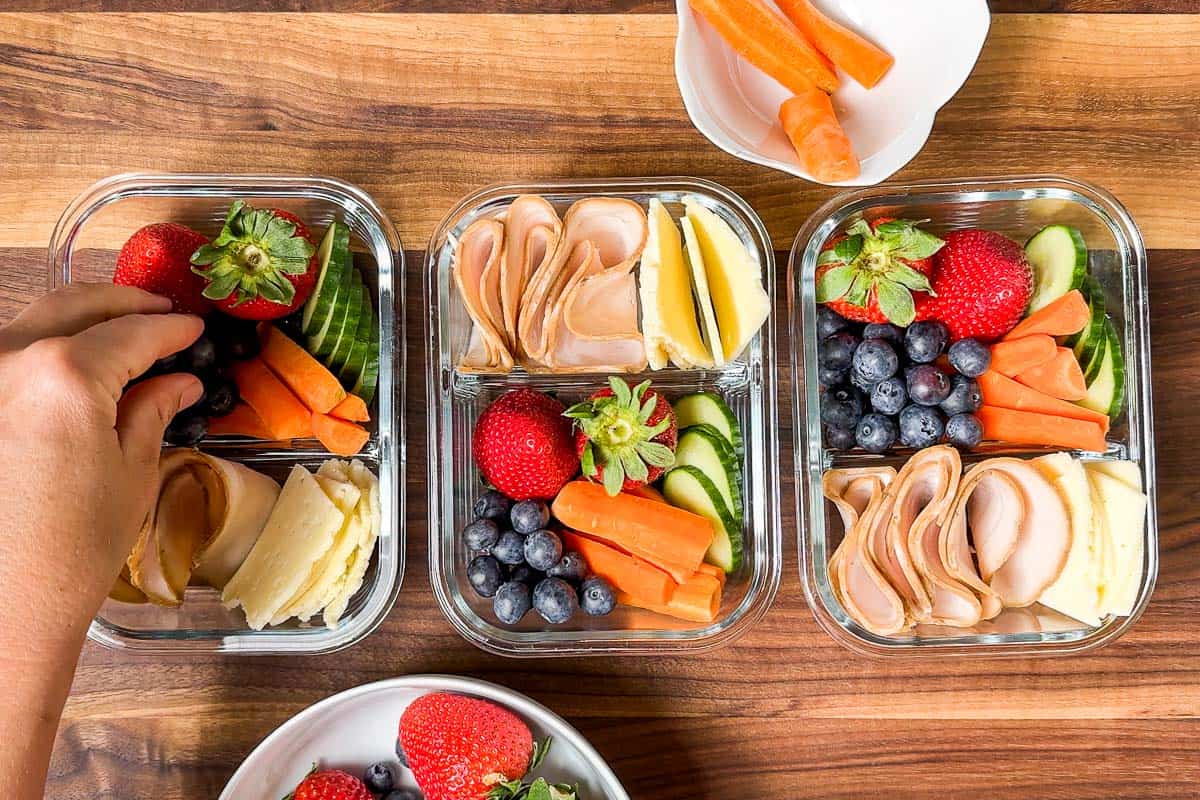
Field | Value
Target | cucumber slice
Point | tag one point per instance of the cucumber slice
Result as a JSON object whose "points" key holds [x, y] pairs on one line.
{"points": [[1059, 258], [364, 386], [334, 258], [1087, 341], [1106, 392], [345, 306], [708, 408], [341, 349], [1095, 359], [703, 447], [362, 341], [690, 489]]}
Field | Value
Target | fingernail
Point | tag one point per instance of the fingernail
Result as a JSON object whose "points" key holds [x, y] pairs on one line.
{"points": [[191, 394], [161, 303]]}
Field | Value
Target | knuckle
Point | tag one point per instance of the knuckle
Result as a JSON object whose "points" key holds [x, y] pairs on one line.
{"points": [[54, 361]]}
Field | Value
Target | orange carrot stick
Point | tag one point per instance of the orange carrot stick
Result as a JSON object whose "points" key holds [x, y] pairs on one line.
{"points": [[1013, 356], [648, 492], [824, 150], [280, 410], [308, 378], [668, 537], [1026, 427], [1059, 377], [1002, 391], [352, 409], [714, 570], [696, 600], [1066, 315], [769, 42], [630, 574], [339, 437], [242, 421], [861, 59]]}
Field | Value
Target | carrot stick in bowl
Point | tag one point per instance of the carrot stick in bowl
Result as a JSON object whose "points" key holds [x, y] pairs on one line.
{"points": [[769, 42], [823, 147], [859, 58]]}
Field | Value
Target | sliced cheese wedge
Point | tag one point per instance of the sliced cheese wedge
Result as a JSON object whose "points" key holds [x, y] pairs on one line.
{"points": [[668, 309], [1075, 591], [1126, 472], [734, 279], [693, 256], [342, 591], [1122, 515], [300, 530]]}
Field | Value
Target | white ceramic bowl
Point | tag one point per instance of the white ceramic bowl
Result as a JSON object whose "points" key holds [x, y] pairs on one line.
{"points": [[935, 44], [358, 727]]}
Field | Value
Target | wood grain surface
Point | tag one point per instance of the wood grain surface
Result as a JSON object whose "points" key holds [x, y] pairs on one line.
{"points": [[419, 108]]}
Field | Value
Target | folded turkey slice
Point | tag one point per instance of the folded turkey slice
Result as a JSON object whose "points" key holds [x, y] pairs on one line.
{"points": [[987, 511], [532, 231], [865, 593], [477, 268], [207, 516], [852, 491], [1043, 537], [925, 491]]}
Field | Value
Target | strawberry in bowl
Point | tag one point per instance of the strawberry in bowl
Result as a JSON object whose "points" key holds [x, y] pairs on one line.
{"points": [[625, 437], [157, 259], [261, 266], [523, 445]]}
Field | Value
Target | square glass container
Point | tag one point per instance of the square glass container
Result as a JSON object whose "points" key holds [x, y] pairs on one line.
{"points": [[456, 399], [1017, 207], [84, 247]]}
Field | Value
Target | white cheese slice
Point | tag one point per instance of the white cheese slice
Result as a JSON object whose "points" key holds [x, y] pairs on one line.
{"points": [[369, 508], [694, 258], [300, 529], [669, 326], [1076, 591], [1126, 472], [1123, 512]]}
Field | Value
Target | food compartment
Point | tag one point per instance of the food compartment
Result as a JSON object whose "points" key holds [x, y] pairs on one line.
{"points": [[457, 398], [1018, 208], [84, 248]]}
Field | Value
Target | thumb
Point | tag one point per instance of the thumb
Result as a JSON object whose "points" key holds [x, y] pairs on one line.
{"points": [[145, 411]]}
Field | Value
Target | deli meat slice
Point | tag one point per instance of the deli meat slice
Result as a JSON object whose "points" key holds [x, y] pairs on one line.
{"points": [[477, 275], [988, 511], [532, 231], [852, 491], [865, 592]]}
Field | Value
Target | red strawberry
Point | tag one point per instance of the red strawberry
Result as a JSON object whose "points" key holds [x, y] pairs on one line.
{"points": [[522, 445], [156, 259], [981, 285], [625, 437], [263, 264], [331, 784], [460, 747], [876, 272]]}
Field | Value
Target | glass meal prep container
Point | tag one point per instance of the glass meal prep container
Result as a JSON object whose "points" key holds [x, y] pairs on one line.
{"points": [[1017, 207], [84, 247], [456, 399]]}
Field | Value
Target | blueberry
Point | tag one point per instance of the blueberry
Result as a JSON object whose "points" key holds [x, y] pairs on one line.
{"points": [[837, 351], [485, 575], [862, 382], [186, 430], [829, 322], [200, 356], [921, 426], [482, 534], [220, 396], [529, 516], [379, 778], [841, 407], [572, 567], [596, 597], [839, 438], [523, 573], [492, 505], [889, 396], [235, 339], [543, 549], [511, 602], [924, 341], [875, 360], [892, 334], [509, 548], [404, 794], [928, 385], [964, 397], [970, 357], [964, 430], [555, 600], [827, 376], [875, 433], [166, 364], [400, 754]]}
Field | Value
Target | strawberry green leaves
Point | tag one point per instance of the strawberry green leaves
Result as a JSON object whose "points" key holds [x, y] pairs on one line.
{"points": [[538, 789], [619, 434], [878, 263]]}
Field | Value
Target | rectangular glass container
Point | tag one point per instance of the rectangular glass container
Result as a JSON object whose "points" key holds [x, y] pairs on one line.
{"points": [[456, 400], [84, 247], [1017, 207]]}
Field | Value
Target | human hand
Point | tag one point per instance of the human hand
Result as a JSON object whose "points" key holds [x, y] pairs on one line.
{"points": [[79, 461]]}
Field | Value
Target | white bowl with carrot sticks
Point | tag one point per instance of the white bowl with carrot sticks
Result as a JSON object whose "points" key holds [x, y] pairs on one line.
{"points": [[839, 92]]}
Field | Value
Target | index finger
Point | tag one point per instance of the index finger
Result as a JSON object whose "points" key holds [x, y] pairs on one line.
{"points": [[70, 309], [118, 350]]}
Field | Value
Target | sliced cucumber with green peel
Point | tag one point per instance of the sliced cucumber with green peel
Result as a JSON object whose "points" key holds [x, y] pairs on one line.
{"points": [[1059, 258], [690, 489], [1091, 338], [340, 353], [1106, 391], [1094, 359], [353, 367], [364, 385], [334, 258], [703, 447], [345, 310], [708, 408]]}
